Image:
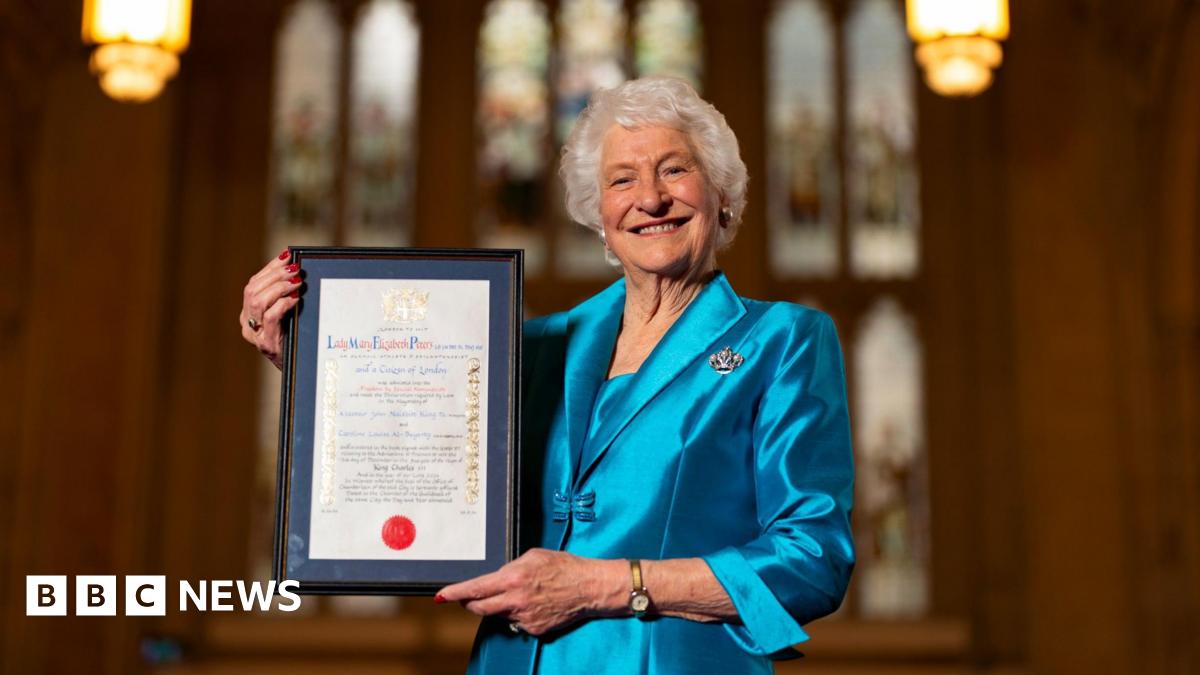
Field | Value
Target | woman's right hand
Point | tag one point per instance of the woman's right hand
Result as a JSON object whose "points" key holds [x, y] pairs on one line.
{"points": [[267, 297]]}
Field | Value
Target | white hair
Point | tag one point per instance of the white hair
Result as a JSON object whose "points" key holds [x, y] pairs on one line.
{"points": [[653, 101]]}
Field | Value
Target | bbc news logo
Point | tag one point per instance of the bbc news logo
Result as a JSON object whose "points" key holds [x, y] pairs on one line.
{"points": [[146, 595]]}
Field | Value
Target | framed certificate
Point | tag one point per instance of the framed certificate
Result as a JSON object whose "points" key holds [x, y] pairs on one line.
{"points": [[399, 422]]}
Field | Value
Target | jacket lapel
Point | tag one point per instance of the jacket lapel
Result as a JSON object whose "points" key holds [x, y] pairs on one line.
{"points": [[591, 335], [705, 321]]}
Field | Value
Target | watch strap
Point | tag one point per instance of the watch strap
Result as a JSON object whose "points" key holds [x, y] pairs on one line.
{"points": [[639, 598]]}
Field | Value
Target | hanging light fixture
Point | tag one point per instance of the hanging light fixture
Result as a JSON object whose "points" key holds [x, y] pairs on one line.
{"points": [[958, 42], [137, 44]]}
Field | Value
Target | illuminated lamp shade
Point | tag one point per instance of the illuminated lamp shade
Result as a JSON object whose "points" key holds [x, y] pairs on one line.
{"points": [[137, 44], [958, 42]]}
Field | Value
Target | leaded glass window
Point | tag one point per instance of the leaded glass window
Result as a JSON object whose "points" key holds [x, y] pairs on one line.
{"points": [[305, 122], [888, 412], [802, 182], [381, 149], [668, 40], [591, 56], [533, 82], [882, 185], [368, 139], [514, 55], [379, 163], [343, 151], [305, 125], [843, 223]]}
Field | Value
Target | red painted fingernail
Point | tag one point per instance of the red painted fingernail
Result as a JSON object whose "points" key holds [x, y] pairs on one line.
{"points": [[439, 598], [293, 268], [284, 255], [296, 280], [294, 294]]}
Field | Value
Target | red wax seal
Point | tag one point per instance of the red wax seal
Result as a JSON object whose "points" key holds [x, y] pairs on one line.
{"points": [[399, 532]]}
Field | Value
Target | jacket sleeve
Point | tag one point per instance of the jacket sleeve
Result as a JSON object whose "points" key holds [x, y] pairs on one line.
{"points": [[797, 569]]}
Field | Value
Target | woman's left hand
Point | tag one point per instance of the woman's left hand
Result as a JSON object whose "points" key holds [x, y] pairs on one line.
{"points": [[544, 590]]}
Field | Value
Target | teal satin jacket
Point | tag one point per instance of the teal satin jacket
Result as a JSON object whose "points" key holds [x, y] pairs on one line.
{"points": [[750, 470]]}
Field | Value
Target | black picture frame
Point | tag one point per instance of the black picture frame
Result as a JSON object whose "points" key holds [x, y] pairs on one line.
{"points": [[297, 432]]}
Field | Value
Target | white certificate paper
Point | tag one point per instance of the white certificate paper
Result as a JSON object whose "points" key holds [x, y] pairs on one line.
{"points": [[400, 446]]}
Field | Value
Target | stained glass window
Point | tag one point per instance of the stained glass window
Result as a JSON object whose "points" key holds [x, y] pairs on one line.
{"points": [[591, 55], [842, 208], [889, 435], [521, 200], [380, 159], [304, 157], [881, 169], [668, 41], [305, 136], [514, 51], [802, 182], [376, 193], [380, 154]]}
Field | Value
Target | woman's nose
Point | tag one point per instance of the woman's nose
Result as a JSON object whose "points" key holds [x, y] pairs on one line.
{"points": [[654, 197]]}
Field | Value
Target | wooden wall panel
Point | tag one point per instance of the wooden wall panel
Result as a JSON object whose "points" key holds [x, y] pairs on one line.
{"points": [[1163, 399], [1071, 125], [735, 82], [90, 358], [446, 199], [210, 400], [975, 479], [24, 60]]}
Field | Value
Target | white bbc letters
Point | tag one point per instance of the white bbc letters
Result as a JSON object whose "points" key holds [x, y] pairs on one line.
{"points": [[95, 595], [45, 595], [146, 595]]}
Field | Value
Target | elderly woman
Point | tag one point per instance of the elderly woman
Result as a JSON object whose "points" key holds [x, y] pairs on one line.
{"points": [[688, 471]]}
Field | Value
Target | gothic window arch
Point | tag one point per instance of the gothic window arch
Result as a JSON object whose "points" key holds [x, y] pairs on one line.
{"points": [[536, 73], [843, 224], [343, 149]]}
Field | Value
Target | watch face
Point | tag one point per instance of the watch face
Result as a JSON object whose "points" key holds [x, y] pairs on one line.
{"points": [[640, 602]]}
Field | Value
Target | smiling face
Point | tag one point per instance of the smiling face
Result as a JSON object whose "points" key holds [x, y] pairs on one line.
{"points": [[658, 209]]}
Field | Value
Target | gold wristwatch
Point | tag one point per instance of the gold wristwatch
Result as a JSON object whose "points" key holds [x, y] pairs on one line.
{"points": [[639, 598]]}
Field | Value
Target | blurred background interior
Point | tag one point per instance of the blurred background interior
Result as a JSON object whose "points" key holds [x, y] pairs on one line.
{"points": [[1014, 275]]}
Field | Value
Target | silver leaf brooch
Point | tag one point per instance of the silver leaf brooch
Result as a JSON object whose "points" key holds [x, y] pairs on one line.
{"points": [[725, 361]]}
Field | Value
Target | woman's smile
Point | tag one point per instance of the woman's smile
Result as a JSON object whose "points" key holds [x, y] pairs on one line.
{"points": [[660, 227]]}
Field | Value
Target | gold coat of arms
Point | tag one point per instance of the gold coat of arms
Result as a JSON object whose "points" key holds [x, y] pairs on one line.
{"points": [[404, 305]]}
